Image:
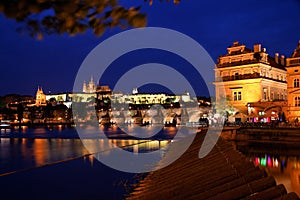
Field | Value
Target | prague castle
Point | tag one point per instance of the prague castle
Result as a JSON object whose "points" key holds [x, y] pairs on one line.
{"points": [[259, 85]]}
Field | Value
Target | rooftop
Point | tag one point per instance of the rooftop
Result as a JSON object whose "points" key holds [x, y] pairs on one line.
{"points": [[296, 52], [239, 54]]}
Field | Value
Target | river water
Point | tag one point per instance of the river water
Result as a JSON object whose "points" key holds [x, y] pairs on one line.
{"points": [[54, 161]]}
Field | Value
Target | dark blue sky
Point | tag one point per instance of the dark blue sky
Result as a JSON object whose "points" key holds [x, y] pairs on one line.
{"points": [[53, 62]]}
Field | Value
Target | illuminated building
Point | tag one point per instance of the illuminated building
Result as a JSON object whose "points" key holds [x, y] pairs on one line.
{"points": [[40, 97], [145, 98], [90, 87], [61, 98], [103, 92], [293, 85], [250, 76]]}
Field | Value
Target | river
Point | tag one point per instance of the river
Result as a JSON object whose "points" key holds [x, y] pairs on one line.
{"points": [[52, 162]]}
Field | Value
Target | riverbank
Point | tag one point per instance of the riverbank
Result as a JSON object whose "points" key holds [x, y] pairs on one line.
{"points": [[262, 134]]}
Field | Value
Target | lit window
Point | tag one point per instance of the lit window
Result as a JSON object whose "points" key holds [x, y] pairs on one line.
{"points": [[296, 83], [237, 96], [297, 101]]}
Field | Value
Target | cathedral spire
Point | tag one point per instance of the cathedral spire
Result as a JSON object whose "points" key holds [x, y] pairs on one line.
{"points": [[84, 87], [40, 97]]}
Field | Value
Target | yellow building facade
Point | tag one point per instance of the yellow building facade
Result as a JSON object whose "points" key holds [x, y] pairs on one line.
{"points": [[250, 75], [293, 85]]}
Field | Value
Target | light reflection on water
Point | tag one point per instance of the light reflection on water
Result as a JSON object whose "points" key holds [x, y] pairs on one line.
{"points": [[23, 153], [282, 161], [20, 153]]}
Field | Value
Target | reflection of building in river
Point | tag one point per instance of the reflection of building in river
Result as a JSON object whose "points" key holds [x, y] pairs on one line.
{"points": [[280, 160], [286, 170]]}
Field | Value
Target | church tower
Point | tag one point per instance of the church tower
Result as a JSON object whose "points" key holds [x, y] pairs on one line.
{"points": [[90, 87], [84, 88], [40, 97]]}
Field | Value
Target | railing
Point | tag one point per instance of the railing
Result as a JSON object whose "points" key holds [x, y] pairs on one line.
{"points": [[246, 76], [292, 62], [237, 63]]}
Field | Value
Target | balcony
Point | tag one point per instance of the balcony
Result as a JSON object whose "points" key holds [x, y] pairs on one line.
{"points": [[246, 76], [293, 62], [238, 63]]}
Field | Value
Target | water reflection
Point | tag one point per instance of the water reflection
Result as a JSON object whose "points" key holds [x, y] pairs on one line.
{"points": [[279, 160], [40, 146], [22, 153]]}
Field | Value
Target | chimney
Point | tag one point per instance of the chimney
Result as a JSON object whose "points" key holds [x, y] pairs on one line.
{"points": [[282, 60], [277, 58], [257, 48]]}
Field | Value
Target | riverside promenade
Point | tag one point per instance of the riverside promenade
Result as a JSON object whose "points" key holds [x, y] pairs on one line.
{"points": [[223, 174]]}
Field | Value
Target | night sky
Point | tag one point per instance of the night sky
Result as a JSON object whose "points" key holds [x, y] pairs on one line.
{"points": [[53, 61]]}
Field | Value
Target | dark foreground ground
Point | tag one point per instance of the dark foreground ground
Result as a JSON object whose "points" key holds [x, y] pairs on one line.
{"points": [[223, 174]]}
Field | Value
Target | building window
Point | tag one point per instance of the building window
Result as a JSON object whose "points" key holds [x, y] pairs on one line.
{"points": [[297, 101], [265, 95], [272, 95], [236, 76], [237, 96], [296, 83]]}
